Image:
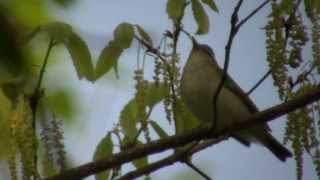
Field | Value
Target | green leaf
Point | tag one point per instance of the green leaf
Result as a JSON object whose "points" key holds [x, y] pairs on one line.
{"points": [[129, 114], [108, 58], [185, 120], [155, 93], [161, 133], [60, 103], [145, 36], [78, 49], [201, 17], [81, 57], [104, 149], [128, 120], [123, 35], [211, 4], [141, 162], [175, 9], [59, 31]]}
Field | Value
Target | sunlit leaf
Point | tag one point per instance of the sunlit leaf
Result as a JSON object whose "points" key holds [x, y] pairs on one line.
{"points": [[81, 57], [123, 35], [201, 17], [161, 133], [128, 119], [58, 31], [129, 114], [103, 150], [155, 93], [108, 58], [60, 103], [211, 4], [175, 9], [145, 36], [78, 49]]}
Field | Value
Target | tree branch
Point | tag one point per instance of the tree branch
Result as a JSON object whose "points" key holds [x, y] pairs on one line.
{"points": [[233, 32], [185, 138], [168, 160], [234, 29], [252, 13], [264, 77], [192, 166]]}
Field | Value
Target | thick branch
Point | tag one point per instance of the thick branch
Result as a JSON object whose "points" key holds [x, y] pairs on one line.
{"points": [[168, 160], [182, 139]]}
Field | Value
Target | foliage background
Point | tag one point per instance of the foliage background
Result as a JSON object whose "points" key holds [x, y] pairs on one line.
{"points": [[94, 108]]}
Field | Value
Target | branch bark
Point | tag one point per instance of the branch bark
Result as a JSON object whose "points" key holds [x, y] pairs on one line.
{"points": [[161, 145], [168, 160]]}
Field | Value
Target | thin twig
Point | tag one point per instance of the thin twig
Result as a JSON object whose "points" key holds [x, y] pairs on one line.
{"points": [[44, 65], [233, 32], [285, 41], [135, 139], [234, 29], [264, 77], [35, 98], [199, 171], [307, 73], [171, 70], [31, 35], [244, 20], [152, 49]]}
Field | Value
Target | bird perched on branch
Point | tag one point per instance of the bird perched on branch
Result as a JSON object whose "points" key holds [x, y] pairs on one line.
{"points": [[200, 80]]}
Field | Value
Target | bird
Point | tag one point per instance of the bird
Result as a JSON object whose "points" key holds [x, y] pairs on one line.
{"points": [[200, 79]]}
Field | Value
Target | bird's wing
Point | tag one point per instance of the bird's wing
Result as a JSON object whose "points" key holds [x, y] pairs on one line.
{"points": [[231, 85]]}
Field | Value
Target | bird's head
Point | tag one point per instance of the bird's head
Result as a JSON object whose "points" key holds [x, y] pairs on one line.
{"points": [[204, 48]]}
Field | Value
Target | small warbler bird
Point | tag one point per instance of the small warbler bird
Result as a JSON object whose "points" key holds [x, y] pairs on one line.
{"points": [[200, 79]]}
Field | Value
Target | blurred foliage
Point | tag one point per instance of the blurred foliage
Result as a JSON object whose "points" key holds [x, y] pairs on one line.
{"points": [[64, 3], [19, 70], [60, 103]]}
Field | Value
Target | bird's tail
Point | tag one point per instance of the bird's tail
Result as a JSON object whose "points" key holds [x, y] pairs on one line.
{"points": [[281, 152]]}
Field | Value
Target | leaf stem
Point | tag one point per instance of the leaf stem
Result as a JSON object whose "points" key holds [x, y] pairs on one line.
{"points": [[34, 100], [44, 65]]}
